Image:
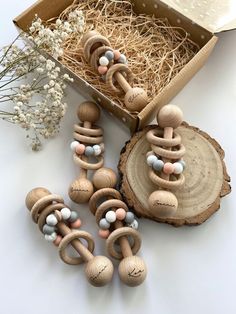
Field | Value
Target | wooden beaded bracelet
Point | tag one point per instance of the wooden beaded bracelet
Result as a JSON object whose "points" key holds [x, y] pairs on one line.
{"points": [[55, 220], [113, 66], [165, 161], [111, 213], [87, 144]]}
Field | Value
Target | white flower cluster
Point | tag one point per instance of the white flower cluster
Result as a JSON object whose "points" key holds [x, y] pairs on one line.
{"points": [[52, 39], [38, 102]]}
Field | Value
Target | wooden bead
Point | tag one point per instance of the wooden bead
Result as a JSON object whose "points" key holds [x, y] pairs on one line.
{"points": [[99, 271], [88, 35], [104, 178], [132, 271], [88, 111], [170, 116], [136, 99], [163, 203], [34, 195], [81, 190]]}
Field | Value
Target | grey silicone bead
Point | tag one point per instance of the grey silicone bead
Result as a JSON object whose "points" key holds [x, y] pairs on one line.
{"points": [[182, 163], [89, 151], [104, 224], [109, 55], [122, 59], [129, 218], [73, 217], [158, 165], [48, 229]]}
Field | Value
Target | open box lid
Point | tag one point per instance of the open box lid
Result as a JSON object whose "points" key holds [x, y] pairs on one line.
{"points": [[214, 15]]}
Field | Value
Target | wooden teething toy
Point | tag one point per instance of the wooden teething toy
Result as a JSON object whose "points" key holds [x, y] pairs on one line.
{"points": [[112, 65], [87, 144], [117, 225], [55, 220], [166, 165]]}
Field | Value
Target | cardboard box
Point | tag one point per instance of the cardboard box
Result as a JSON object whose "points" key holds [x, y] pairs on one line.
{"points": [[213, 16]]}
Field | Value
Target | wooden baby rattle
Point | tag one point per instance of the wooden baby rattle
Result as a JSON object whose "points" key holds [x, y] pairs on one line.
{"points": [[165, 161], [87, 144], [55, 221], [112, 65], [117, 225]]}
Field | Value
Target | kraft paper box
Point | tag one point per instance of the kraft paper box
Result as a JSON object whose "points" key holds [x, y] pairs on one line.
{"points": [[201, 19]]}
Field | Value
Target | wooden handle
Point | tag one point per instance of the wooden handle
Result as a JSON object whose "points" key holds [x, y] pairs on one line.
{"points": [[122, 82], [123, 241], [168, 134]]}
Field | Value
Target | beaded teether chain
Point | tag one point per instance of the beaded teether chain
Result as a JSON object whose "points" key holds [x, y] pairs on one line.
{"points": [[165, 161], [87, 144], [117, 225], [112, 65], [55, 220]]}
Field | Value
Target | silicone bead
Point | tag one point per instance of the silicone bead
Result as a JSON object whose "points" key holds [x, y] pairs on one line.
{"points": [[110, 216], [129, 218], [52, 237], [134, 224], [73, 216], [168, 168], [182, 163], [103, 61], [97, 150], [65, 212], [151, 159], [158, 165], [122, 59], [58, 240], [76, 224], [178, 167], [51, 220], [103, 233], [89, 151], [80, 149], [120, 214], [104, 224], [102, 69], [48, 229], [116, 54], [109, 55], [73, 145]]}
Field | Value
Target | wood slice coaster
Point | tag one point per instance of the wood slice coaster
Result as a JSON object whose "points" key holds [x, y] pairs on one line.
{"points": [[206, 178]]}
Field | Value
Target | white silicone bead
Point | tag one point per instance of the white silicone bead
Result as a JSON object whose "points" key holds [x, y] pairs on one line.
{"points": [[134, 224], [103, 61], [97, 150], [178, 167], [151, 159], [51, 220], [52, 237], [73, 145], [110, 216], [65, 212]]}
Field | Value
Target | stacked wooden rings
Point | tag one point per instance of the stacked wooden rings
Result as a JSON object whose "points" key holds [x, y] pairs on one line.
{"points": [[106, 199], [112, 65], [87, 145], [165, 161], [47, 210]]}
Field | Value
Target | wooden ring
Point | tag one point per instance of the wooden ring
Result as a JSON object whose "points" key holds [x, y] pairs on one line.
{"points": [[42, 203], [153, 138], [169, 154], [68, 239], [109, 205], [86, 165], [118, 67], [121, 232], [94, 131], [47, 211], [99, 195], [88, 47], [87, 139], [96, 55], [165, 184]]}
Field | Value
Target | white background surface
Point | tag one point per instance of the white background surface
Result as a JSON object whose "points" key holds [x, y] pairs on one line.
{"points": [[190, 270]]}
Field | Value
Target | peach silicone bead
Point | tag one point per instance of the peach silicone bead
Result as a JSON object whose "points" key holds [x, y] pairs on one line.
{"points": [[76, 224], [102, 69], [80, 149], [120, 214], [168, 168], [116, 54], [58, 240], [103, 233]]}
